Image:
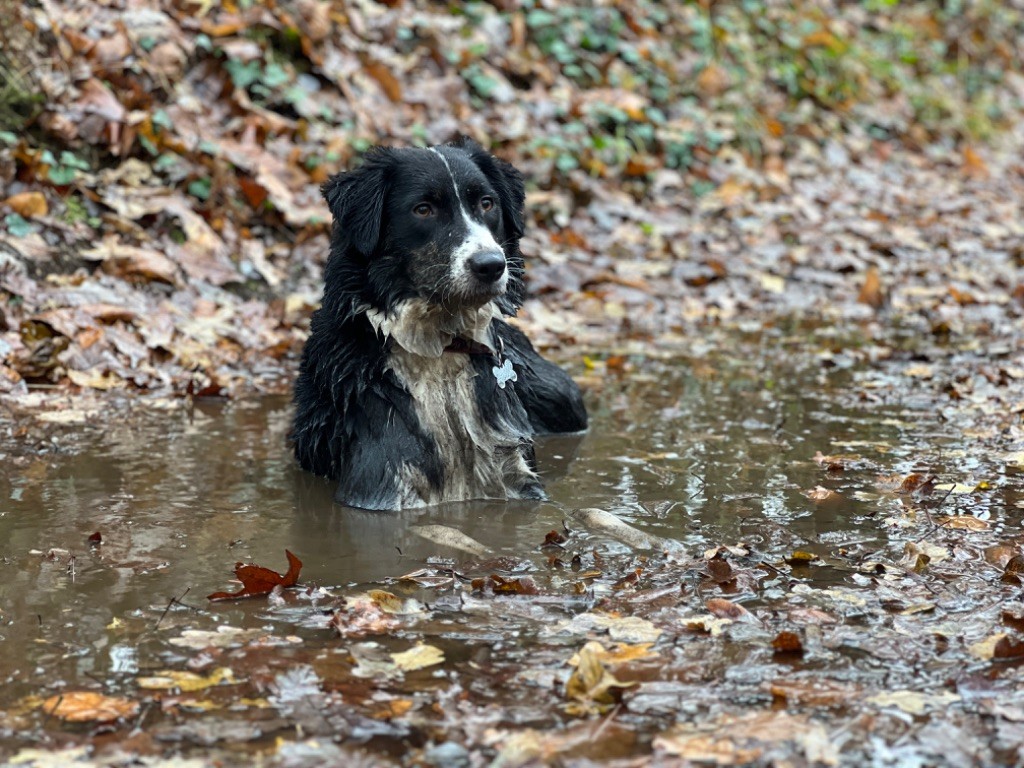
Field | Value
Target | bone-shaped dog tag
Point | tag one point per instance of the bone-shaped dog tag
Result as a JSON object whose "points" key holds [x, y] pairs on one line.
{"points": [[504, 374]]}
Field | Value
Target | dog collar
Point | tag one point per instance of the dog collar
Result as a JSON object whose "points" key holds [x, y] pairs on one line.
{"points": [[468, 347], [503, 372]]}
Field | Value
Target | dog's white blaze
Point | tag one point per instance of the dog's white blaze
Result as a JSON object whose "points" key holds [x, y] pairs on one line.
{"points": [[478, 238]]}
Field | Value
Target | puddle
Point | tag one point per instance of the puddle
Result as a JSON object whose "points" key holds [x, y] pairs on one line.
{"points": [[705, 452]]}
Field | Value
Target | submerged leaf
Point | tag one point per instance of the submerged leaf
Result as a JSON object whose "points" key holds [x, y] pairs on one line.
{"points": [[89, 706]]}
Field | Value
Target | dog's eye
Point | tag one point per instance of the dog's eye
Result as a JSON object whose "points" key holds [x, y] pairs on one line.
{"points": [[486, 203], [423, 210]]}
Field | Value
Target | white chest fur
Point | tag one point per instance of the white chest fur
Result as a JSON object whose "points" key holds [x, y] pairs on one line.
{"points": [[480, 461]]}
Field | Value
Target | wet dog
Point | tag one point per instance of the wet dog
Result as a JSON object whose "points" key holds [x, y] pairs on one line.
{"points": [[412, 389]]}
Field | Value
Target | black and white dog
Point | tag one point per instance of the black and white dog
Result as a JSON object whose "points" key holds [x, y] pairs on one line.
{"points": [[412, 390]]}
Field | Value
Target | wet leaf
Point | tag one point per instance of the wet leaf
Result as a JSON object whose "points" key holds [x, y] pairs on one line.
{"points": [[962, 523], [418, 657], [88, 706], [591, 688], [223, 637], [801, 558], [914, 702], [185, 682], [745, 739], [450, 537], [819, 493], [726, 609], [788, 643], [258, 581]]}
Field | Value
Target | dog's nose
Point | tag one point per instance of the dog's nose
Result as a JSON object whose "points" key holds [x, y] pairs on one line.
{"points": [[488, 266]]}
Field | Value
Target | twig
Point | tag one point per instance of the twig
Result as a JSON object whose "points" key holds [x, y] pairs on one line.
{"points": [[604, 723], [171, 602]]}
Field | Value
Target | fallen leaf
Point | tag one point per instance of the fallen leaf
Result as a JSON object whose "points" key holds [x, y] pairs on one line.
{"points": [[185, 682], [258, 581], [818, 493], [88, 706], [223, 637], [28, 204], [962, 523], [418, 657], [591, 688], [871, 291], [788, 642], [914, 702], [726, 609]]}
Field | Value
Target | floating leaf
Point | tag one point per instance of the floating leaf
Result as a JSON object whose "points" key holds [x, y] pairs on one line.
{"points": [[88, 706], [258, 581]]}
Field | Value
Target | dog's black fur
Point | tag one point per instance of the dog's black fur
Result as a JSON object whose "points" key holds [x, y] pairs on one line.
{"points": [[398, 395]]}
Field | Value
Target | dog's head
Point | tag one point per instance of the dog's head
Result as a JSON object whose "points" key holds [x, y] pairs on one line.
{"points": [[439, 224]]}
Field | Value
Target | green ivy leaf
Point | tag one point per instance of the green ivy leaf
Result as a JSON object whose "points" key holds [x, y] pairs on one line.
{"points": [[17, 226], [200, 188]]}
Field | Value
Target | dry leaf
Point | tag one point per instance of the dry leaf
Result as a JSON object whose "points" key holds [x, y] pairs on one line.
{"points": [[28, 204]]}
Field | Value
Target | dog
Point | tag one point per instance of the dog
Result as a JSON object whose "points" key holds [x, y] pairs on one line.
{"points": [[412, 389]]}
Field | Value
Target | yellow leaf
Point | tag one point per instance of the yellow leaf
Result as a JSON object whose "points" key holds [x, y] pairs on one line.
{"points": [[591, 688], [958, 488], [418, 657], [985, 649], [914, 702], [185, 682]]}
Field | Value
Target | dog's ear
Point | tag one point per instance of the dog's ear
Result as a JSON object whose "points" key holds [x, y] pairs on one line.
{"points": [[356, 199], [507, 182]]}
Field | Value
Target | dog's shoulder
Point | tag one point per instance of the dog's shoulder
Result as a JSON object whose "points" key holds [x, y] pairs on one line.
{"points": [[552, 399]]}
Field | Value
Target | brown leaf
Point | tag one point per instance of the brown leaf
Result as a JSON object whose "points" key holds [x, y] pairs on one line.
{"points": [[726, 609], [713, 80], [973, 166], [720, 570], [28, 204], [962, 523], [871, 292], [258, 581], [788, 642], [383, 75], [1008, 647], [591, 687], [554, 539]]}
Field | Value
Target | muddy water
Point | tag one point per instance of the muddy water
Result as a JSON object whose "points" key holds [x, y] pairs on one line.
{"points": [[704, 451]]}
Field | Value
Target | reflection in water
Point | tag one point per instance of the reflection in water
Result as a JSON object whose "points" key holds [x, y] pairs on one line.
{"points": [[711, 458]]}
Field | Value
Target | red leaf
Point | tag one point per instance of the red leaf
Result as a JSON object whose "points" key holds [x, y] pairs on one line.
{"points": [[258, 581]]}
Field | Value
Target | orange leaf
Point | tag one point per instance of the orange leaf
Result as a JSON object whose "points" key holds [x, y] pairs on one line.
{"points": [[258, 581], [255, 193], [973, 165], [871, 292], [88, 706], [28, 204], [388, 82]]}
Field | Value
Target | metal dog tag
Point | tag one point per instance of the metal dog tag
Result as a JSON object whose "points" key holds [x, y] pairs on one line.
{"points": [[504, 374]]}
